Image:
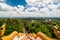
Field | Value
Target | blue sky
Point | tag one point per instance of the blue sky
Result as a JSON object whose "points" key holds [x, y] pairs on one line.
{"points": [[29, 8], [19, 2], [16, 2]]}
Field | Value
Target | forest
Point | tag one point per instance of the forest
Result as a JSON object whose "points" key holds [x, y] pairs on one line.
{"points": [[31, 26]]}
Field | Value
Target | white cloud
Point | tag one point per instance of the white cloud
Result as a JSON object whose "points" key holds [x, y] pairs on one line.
{"points": [[44, 10], [53, 7], [38, 2], [32, 11], [20, 8], [58, 7], [5, 7], [33, 2], [47, 1], [2, 0]]}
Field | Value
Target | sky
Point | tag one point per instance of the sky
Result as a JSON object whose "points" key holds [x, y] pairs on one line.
{"points": [[15, 2], [29, 8]]}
